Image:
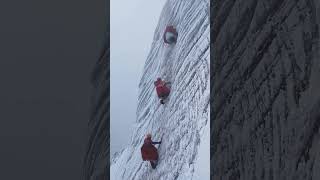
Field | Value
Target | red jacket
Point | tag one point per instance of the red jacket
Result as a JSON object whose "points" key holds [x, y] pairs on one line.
{"points": [[169, 29], [161, 88], [148, 151]]}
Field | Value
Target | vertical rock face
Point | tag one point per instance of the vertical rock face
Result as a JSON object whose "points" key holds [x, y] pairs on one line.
{"points": [[183, 121], [266, 91], [96, 161]]}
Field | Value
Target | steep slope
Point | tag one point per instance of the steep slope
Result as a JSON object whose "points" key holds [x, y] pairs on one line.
{"points": [[266, 100], [183, 122]]}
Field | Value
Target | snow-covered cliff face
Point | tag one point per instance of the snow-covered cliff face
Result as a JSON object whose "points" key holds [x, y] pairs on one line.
{"points": [[266, 91], [183, 122]]}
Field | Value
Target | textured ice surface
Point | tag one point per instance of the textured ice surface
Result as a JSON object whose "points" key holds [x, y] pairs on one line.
{"points": [[183, 122]]}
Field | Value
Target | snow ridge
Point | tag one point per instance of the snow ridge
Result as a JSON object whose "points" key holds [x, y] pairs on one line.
{"points": [[184, 119]]}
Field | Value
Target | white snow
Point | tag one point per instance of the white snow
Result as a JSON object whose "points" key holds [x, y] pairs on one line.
{"points": [[202, 166], [129, 47], [183, 122]]}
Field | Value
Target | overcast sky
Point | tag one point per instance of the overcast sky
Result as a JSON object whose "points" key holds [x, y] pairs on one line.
{"points": [[47, 52], [132, 25]]}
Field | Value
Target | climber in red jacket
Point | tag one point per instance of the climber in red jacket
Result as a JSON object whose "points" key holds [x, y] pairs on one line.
{"points": [[162, 89], [170, 35], [149, 152]]}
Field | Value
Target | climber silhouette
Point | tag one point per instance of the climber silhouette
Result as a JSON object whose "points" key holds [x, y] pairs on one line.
{"points": [[162, 89], [149, 152], [170, 35]]}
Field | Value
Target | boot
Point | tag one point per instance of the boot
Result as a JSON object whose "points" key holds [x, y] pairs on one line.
{"points": [[161, 101], [153, 164]]}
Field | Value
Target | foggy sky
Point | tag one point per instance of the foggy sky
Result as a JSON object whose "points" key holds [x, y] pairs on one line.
{"points": [[47, 51], [132, 26]]}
